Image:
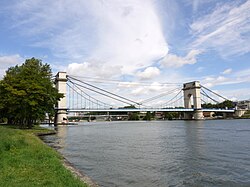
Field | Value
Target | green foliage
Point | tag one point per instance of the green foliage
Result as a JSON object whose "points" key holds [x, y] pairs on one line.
{"points": [[224, 104], [26, 161], [27, 93], [130, 106], [171, 115], [133, 116], [148, 116]]}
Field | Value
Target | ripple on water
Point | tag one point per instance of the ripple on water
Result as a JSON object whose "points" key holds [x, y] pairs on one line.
{"points": [[167, 153]]}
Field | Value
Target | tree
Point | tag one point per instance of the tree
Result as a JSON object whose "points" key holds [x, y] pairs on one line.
{"points": [[148, 116], [27, 93], [171, 115], [133, 116], [130, 106], [224, 104]]}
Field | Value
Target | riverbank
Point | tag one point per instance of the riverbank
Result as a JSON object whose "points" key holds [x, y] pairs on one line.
{"points": [[26, 161]]}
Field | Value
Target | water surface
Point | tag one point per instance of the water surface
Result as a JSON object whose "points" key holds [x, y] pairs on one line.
{"points": [[159, 153]]}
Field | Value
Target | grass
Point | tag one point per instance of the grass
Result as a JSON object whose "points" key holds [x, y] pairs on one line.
{"points": [[26, 161]]}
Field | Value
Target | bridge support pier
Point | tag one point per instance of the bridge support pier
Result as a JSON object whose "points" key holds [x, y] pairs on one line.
{"points": [[192, 91], [198, 114], [61, 108]]}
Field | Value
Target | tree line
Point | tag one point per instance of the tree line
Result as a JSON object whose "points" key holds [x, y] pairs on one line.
{"points": [[27, 94], [224, 104]]}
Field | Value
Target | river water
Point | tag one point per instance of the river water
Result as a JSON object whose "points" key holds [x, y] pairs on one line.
{"points": [[159, 153]]}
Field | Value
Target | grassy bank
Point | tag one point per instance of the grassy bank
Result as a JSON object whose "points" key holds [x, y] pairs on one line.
{"points": [[25, 161]]}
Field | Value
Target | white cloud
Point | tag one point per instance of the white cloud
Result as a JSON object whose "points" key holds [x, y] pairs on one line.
{"points": [[242, 73], [233, 92], [197, 4], [127, 84], [225, 29], [156, 86], [172, 60], [139, 91], [120, 33], [149, 73], [212, 81], [93, 69], [238, 77], [130, 34], [227, 71], [9, 61], [238, 94]]}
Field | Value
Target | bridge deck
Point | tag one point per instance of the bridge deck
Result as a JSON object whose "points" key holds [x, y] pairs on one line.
{"points": [[150, 110]]}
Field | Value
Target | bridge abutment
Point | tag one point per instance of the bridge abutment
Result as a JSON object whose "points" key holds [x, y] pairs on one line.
{"points": [[61, 108], [240, 112]]}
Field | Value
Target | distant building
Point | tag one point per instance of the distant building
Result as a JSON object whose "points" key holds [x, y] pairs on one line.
{"points": [[243, 104]]}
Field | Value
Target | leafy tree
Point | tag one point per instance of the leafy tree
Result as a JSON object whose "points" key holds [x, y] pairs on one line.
{"points": [[130, 106], [208, 105], [171, 115], [27, 93], [133, 116], [224, 104], [148, 116]]}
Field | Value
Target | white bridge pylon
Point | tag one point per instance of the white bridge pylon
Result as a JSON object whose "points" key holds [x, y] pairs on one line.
{"points": [[192, 102], [61, 107], [192, 90]]}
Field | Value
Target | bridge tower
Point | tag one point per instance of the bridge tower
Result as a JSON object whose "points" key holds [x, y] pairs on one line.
{"points": [[192, 90], [61, 108]]}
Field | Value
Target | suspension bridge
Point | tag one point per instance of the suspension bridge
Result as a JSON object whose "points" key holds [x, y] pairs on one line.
{"points": [[81, 96]]}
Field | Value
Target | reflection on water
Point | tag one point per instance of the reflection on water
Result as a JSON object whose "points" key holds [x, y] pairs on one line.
{"points": [[166, 153]]}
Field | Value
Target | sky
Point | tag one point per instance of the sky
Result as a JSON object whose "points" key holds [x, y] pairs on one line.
{"points": [[134, 41]]}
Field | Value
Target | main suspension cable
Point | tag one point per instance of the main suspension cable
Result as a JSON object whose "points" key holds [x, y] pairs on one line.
{"points": [[206, 95], [214, 92], [159, 96], [100, 93], [131, 101], [95, 100]]}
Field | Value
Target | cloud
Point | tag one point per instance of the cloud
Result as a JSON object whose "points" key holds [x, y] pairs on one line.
{"points": [[138, 91], [143, 91], [9, 61], [195, 5], [93, 69], [119, 33], [238, 77], [149, 73], [238, 94], [242, 73], [130, 34], [225, 29], [211, 81], [172, 60], [227, 71]]}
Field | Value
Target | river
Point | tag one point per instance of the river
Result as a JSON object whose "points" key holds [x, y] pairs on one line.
{"points": [[159, 153]]}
